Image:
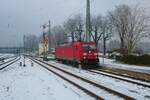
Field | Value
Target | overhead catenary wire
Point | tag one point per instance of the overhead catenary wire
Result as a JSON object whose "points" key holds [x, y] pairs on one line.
{"points": [[77, 10]]}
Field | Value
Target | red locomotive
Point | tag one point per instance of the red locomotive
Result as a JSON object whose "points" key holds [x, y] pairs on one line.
{"points": [[84, 53]]}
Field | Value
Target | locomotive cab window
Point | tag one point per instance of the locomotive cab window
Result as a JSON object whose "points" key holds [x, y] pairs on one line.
{"points": [[89, 46]]}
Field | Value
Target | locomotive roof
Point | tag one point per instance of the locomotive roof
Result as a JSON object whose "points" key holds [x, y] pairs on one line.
{"points": [[76, 43], [80, 43]]}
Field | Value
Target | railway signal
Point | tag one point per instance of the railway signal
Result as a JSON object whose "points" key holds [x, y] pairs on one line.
{"points": [[49, 35], [45, 42]]}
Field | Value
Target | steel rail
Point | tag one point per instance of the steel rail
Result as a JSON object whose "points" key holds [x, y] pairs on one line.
{"points": [[11, 62], [90, 82], [73, 83], [127, 76], [123, 79]]}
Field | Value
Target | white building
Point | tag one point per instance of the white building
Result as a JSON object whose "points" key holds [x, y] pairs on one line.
{"points": [[42, 48]]}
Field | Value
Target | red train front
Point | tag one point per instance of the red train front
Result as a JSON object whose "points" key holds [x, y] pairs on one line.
{"points": [[84, 53]]}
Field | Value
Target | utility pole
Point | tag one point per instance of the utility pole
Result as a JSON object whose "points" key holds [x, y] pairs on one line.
{"points": [[104, 45], [24, 50], [72, 36], [80, 32], [49, 35], [88, 22]]}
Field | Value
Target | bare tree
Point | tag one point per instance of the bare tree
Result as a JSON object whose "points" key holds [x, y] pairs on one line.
{"points": [[101, 29], [31, 43], [119, 18], [138, 28], [96, 28], [107, 32], [79, 27], [131, 24], [59, 35], [74, 26], [70, 28]]}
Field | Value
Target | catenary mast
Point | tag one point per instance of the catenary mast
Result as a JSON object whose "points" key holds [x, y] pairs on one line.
{"points": [[88, 22]]}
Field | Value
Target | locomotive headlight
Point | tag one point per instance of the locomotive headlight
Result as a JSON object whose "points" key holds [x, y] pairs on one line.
{"points": [[84, 54], [95, 54]]}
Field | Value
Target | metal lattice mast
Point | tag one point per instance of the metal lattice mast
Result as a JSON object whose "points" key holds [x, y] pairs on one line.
{"points": [[88, 22]]}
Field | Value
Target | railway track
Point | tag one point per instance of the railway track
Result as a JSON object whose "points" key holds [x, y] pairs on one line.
{"points": [[4, 58], [14, 57], [6, 64], [8, 57], [120, 77], [90, 87], [141, 78]]}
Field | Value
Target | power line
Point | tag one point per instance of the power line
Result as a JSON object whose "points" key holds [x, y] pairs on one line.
{"points": [[83, 7]]}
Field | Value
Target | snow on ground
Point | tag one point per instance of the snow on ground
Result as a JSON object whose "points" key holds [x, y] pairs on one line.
{"points": [[130, 89], [98, 91], [115, 64], [35, 83], [5, 55]]}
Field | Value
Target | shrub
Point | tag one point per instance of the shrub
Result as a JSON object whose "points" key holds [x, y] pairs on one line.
{"points": [[132, 59], [144, 59], [118, 58]]}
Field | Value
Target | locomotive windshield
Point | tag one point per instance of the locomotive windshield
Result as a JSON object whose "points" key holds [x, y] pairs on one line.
{"points": [[89, 46]]}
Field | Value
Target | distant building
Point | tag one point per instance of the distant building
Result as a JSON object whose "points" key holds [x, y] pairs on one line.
{"points": [[40, 50], [43, 46]]}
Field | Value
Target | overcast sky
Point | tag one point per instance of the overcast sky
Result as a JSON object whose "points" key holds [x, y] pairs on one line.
{"points": [[18, 17]]}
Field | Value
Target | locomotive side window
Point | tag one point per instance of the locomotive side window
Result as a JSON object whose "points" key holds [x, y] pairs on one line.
{"points": [[89, 46]]}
